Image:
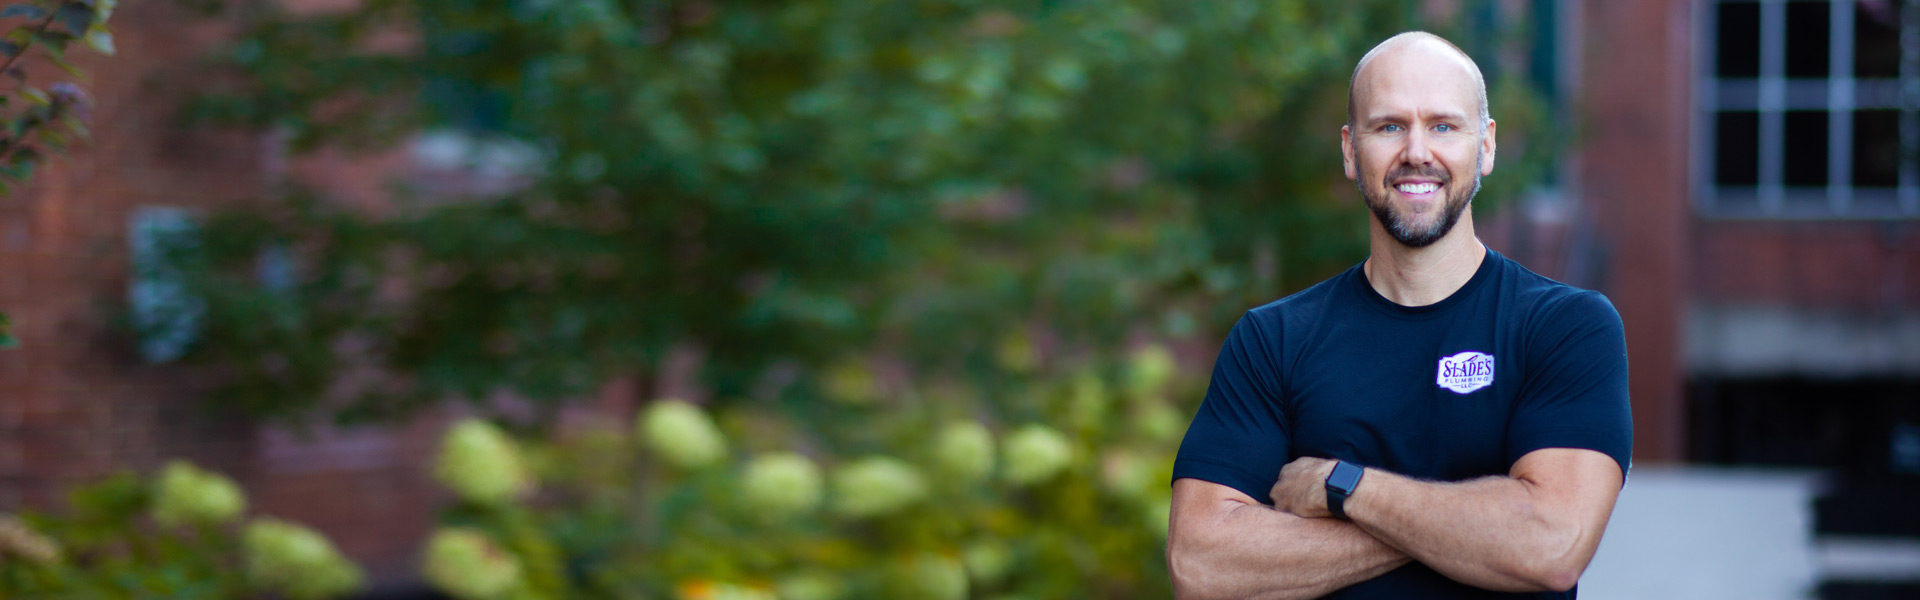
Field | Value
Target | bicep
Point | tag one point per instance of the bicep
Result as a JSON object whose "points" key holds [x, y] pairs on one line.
{"points": [[1572, 487], [1196, 499]]}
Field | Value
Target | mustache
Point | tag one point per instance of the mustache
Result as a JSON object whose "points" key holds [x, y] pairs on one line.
{"points": [[1406, 170]]}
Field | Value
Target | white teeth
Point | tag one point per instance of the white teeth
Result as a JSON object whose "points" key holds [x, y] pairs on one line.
{"points": [[1417, 188]]}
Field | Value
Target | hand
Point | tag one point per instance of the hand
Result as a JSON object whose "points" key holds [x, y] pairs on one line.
{"points": [[1302, 488]]}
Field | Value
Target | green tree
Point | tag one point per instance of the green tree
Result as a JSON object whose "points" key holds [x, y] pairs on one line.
{"points": [[977, 191]]}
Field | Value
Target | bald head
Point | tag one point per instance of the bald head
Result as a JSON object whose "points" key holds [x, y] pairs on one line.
{"points": [[1423, 45]]}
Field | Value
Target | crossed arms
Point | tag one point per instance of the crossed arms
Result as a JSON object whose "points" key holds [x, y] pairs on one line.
{"points": [[1532, 530]]}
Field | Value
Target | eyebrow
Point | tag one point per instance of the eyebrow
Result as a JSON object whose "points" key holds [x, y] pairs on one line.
{"points": [[1433, 116]]}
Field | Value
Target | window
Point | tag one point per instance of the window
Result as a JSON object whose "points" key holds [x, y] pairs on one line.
{"points": [[1806, 109]]}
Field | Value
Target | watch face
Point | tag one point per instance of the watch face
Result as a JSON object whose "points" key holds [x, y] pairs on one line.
{"points": [[1345, 476]]}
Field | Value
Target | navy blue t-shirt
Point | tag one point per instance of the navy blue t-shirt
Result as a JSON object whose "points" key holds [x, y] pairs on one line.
{"points": [[1510, 363]]}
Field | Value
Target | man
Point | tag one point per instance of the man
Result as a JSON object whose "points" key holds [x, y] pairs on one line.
{"points": [[1442, 422]]}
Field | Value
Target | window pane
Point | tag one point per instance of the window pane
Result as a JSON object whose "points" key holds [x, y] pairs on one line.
{"points": [[1809, 30], [1736, 148], [1806, 148], [1738, 49], [1876, 39], [1876, 148]]}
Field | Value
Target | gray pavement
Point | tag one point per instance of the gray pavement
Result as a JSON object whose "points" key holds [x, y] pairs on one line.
{"points": [[1704, 534]]}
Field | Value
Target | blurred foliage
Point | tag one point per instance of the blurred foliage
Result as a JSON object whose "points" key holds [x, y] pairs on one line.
{"points": [[7, 341], [979, 192], [177, 535], [37, 117], [926, 500]]}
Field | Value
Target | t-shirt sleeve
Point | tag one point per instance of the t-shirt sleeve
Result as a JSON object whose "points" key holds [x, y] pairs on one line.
{"points": [[1239, 437], [1576, 390]]}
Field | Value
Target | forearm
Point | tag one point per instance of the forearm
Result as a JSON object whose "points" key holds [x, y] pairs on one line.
{"points": [[1235, 549], [1490, 532]]}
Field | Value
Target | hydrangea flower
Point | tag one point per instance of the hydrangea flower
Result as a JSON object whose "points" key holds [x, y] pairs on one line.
{"points": [[296, 562], [782, 483], [930, 576], [467, 565], [987, 561], [19, 540], [964, 450], [811, 586], [186, 494], [1126, 473], [876, 485], [481, 464], [682, 434], [1036, 453], [1149, 370]]}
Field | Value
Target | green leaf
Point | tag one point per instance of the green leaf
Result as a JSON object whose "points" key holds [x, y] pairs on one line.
{"points": [[76, 17], [36, 95], [54, 42], [25, 11], [7, 341]]}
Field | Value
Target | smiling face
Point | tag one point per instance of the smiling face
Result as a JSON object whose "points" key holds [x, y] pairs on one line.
{"points": [[1418, 142]]}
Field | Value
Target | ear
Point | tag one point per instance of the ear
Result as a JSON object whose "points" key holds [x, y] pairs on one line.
{"points": [[1346, 151], [1488, 148]]}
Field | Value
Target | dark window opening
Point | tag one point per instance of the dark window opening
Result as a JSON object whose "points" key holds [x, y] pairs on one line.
{"points": [[1736, 142], [1737, 48], [1805, 162], [1876, 40], [1847, 424], [1809, 33], [1876, 148]]}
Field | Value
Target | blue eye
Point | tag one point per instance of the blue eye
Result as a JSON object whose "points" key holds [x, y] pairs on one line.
{"points": [[1390, 128], [1443, 128]]}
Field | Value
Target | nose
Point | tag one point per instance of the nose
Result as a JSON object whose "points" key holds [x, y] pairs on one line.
{"points": [[1417, 151]]}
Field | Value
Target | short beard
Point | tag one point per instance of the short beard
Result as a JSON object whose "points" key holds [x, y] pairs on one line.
{"points": [[1397, 225]]}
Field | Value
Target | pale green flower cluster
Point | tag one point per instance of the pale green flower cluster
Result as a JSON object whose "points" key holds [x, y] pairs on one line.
{"points": [[682, 435], [185, 494], [782, 483], [1127, 473], [17, 540], [1149, 370], [1087, 402], [481, 464], [930, 576], [1035, 453], [876, 485], [811, 586], [964, 450], [1158, 421], [296, 562], [467, 565], [987, 561]]}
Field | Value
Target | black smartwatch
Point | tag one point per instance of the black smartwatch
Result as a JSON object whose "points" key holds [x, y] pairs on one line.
{"points": [[1340, 484]]}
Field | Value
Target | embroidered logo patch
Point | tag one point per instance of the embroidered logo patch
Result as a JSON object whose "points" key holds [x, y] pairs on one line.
{"points": [[1465, 372]]}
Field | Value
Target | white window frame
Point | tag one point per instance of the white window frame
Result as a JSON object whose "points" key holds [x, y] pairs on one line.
{"points": [[1772, 94]]}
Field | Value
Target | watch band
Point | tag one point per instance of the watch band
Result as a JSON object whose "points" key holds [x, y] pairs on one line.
{"points": [[1340, 484]]}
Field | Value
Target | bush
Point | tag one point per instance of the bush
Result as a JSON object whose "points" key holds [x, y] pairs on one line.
{"points": [[176, 535], [889, 497]]}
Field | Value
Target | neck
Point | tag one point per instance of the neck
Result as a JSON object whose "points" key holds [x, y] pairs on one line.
{"points": [[1421, 276]]}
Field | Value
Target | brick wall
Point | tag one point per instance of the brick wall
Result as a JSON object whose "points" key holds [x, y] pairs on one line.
{"points": [[77, 402]]}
